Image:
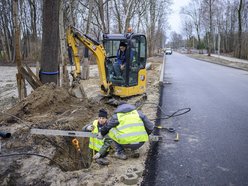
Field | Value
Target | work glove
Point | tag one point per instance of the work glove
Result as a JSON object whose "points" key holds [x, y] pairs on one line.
{"points": [[122, 67], [99, 136], [90, 127], [96, 156]]}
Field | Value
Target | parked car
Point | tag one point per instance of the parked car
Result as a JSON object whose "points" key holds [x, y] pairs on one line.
{"points": [[168, 51]]}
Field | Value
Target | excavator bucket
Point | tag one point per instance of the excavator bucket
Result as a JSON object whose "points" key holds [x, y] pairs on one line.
{"points": [[77, 90]]}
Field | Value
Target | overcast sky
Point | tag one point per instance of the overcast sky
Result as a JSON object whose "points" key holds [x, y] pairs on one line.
{"points": [[174, 18]]}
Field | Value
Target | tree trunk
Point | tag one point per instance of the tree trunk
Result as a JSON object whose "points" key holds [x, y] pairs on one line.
{"points": [[33, 19], [64, 75], [49, 71], [118, 17], [210, 39], [219, 40], [102, 17], [152, 27], [239, 47], [86, 61], [20, 80], [7, 38]]}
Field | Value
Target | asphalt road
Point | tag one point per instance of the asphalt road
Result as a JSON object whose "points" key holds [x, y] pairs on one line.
{"points": [[213, 145]]}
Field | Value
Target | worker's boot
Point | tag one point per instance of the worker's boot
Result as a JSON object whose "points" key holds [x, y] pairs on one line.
{"points": [[135, 153], [121, 156], [102, 161]]}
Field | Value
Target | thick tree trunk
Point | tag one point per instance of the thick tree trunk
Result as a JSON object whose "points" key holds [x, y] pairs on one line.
{"points": [[49, 71]]}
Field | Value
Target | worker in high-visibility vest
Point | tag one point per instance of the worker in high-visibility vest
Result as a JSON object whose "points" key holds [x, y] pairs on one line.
{"points": [[100, 147], [128, 128]]}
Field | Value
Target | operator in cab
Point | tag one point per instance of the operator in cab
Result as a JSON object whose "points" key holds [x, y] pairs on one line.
{"points": [[120, 62]]}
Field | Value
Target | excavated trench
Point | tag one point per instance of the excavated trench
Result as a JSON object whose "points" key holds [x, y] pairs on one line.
{"points": [[49, 107]]}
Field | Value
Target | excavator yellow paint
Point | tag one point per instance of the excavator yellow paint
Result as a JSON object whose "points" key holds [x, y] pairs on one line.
{"points": [[134, 90]]}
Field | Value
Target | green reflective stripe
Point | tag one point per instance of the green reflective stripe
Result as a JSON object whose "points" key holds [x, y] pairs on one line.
{"points": [[130, 125], [132, 134], [114, 130]]}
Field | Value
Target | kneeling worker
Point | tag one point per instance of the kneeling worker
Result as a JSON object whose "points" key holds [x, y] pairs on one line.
{"points": [[100, 146], [128, 128]]}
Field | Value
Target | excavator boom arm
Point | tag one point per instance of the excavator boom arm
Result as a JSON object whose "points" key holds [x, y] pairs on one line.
{"points": [[73, 37]]}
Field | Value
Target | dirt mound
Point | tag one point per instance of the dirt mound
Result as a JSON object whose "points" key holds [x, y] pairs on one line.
{"points": [[47, 98]]}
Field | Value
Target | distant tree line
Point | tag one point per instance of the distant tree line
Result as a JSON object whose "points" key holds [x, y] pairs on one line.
{"points": [[93, 17], [220, 26]]}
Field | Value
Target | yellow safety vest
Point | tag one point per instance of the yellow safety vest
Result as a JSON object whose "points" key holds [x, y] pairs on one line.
{"points": [[95, 143], [130, 129]]}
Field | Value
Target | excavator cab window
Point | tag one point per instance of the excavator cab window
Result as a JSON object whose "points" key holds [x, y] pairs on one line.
{"points": [[137, 59], [111, 48], [135, 56]]}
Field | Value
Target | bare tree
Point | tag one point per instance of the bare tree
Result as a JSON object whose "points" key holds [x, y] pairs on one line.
{"points": [[20, 80], [8, 31], [124, 12], [176, 40], [194, 11], [64, 75], [50, 42], [188, 28], [85, 62], [208, 7], [157, 10], [33, 15], [239, 45], [93, 17]]}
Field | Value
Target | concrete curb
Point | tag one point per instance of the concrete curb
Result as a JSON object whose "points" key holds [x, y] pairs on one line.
{"points": [[161, 79]]}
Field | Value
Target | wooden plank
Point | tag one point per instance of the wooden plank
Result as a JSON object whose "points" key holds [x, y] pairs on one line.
{"points": [[31, 80]]}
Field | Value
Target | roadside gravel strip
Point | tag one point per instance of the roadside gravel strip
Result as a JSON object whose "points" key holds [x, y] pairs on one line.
{"points": [[222, 60]]}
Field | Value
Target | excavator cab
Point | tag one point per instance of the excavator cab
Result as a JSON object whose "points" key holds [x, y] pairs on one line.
{"points": [[133, 77]]}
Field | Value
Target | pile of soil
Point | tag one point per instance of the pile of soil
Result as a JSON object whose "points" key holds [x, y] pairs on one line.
{"points": [[29, 159]]}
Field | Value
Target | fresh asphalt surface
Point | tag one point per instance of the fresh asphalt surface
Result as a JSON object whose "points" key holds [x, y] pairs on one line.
{"points": [[213, 137]]}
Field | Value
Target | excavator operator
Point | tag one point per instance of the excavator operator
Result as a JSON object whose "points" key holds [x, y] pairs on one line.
{"points": [[119, 64]]}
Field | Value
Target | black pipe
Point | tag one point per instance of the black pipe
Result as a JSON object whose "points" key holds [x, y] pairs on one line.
{"points": [[5, 134]]}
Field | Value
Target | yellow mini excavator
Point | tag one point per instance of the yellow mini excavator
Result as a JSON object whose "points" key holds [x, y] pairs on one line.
{"points": [[133, 77]]}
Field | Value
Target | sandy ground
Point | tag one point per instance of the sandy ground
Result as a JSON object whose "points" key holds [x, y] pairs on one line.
{"points": [[48, 160]]}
